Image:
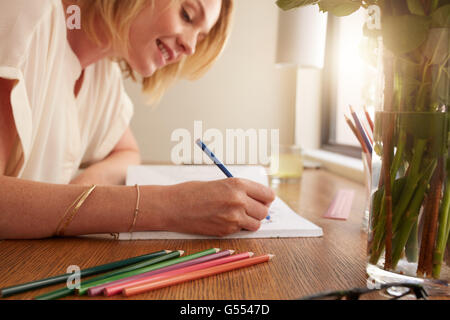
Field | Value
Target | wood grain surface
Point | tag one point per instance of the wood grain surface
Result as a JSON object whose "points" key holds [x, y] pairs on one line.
{"points": [[301, 266]]}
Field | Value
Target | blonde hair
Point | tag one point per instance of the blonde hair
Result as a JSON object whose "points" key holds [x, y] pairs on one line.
{"points": [[117, 17]]}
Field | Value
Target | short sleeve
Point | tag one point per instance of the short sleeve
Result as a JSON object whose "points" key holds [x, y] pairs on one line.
{"points": [[21, 24], [110, 117], [20, 108]]}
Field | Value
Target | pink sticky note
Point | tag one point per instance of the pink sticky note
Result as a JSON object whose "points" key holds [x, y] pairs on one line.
{"points": [[341, 205]]}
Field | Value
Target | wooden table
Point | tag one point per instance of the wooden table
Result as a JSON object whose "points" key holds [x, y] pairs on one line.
{"points": [[302, 266]]}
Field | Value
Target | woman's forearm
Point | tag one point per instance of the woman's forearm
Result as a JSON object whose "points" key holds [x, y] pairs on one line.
{"points": [[110, 171], [31, 210]]}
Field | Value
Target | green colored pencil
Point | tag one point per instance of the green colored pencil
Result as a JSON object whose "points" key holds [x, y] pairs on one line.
{"points": [[63, 292], [9, 291], [85, 287]]}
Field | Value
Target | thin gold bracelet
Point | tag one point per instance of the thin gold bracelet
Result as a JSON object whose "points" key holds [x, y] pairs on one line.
{"points": [[136, 210], [76, 206]]}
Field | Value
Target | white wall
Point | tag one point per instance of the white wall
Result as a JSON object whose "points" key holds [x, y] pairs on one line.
{"points": [[308, 108], [243, 90]]}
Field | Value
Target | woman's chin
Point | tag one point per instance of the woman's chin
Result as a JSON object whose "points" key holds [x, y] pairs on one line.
{"points": [[144, 71], [147, 73]]}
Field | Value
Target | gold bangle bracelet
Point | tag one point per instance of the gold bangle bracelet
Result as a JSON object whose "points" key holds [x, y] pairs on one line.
{"points": [[76, 206], [136, 210]]}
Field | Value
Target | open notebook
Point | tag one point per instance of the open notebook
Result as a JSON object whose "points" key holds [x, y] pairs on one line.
{"points": [[283, 222]]}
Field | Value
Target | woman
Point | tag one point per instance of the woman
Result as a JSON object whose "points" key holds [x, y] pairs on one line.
{"points": [[63, 105]]}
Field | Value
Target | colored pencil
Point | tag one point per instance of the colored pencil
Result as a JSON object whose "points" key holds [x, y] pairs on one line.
{"points": [[9, 291], [116, 289], [357, 135], [99, 289], [216, 161], [368, 133], [195, 275], [369, 119], [85, 287], [63, 292], [361, 130]]}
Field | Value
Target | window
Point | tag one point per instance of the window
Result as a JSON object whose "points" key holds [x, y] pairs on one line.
{"points": [[348, 80]]}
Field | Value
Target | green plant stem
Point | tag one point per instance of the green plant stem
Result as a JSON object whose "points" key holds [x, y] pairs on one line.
{"points": [[434, 5], [376, 209], [438, 78], [425, 235], [411, 215], [379, 218], [436, 192], [387, 156], [398, 156], [426, 6], [411, 183], [421, 97], [444, 224], [407, 193], [386, 203], [412, 245]]}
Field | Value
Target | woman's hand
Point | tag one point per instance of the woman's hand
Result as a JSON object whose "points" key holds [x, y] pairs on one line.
{"points": [[216, 208]]}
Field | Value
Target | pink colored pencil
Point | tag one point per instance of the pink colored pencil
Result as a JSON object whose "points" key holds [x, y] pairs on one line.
{"points": [[194, 275], [94, 291], [111, 290]]}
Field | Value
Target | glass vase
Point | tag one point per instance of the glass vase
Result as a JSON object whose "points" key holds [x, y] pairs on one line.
{"points": [[409, 220]]}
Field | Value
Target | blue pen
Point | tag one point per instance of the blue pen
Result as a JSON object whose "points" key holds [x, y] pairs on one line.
{"points": [[216, 161]]}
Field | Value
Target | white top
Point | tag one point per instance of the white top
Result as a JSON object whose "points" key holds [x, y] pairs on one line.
{"points": [[57, 132]]}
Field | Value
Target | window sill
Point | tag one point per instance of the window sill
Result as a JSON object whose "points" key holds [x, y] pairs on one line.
{"points": [[348, 167]]}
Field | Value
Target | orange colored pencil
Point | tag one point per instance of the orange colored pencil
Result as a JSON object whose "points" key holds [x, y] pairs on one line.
{"points": [[195, 275], [118, 288], [357, 134]]}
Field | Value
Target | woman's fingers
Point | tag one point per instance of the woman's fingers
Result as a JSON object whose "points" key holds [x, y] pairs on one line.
{"points": [[259, 192], [249, 223], [220, 207], [256, 209]]}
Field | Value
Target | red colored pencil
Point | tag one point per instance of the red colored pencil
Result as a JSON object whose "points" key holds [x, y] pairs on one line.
{"points": [[368, 133], [369, 120], [195, 275], [117, 288]]}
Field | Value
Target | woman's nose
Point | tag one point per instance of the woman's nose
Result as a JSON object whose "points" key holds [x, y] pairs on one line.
{"points": [[188, 44]]}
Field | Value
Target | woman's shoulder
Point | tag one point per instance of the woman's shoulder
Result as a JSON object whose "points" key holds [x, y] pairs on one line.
{"points": [[20, 20], [26, 14]]}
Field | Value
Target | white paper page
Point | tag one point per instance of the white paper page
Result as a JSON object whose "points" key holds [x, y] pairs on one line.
{"points": [[283, 222], [167, 175]]}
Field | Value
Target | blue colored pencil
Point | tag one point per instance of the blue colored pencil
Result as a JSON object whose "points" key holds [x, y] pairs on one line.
{"points": [[216, 161], [214, 158], [361, 130]]}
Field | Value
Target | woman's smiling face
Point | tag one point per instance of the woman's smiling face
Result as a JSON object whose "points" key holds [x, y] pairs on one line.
{"points": [[165, 32]]}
